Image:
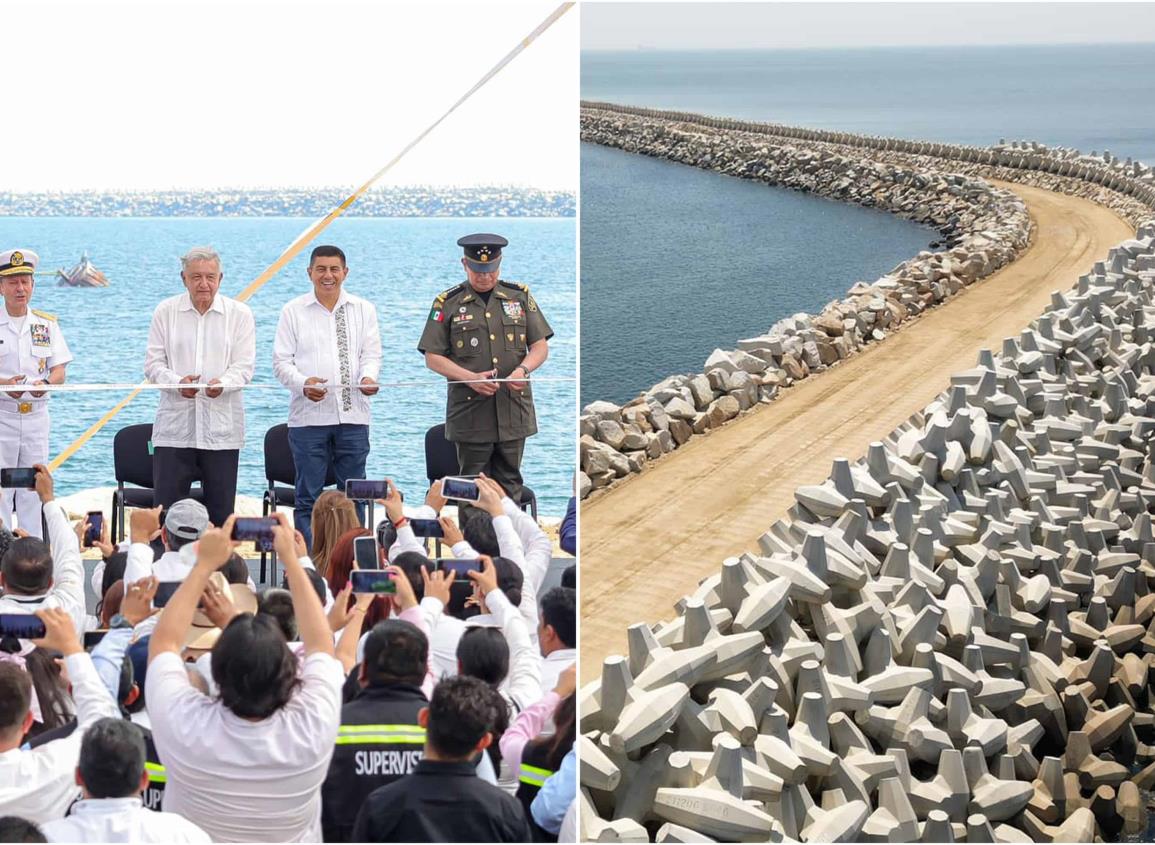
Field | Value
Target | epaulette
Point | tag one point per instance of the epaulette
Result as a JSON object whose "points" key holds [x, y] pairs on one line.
{"points": [[445, 294], [44, 314], [515, 285]]}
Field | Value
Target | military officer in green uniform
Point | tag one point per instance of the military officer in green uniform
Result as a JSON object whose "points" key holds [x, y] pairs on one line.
{"points": [[487, 328]]}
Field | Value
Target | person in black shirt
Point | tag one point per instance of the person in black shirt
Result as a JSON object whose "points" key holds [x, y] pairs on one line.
{"points": [[380, 739], [443, 800]]}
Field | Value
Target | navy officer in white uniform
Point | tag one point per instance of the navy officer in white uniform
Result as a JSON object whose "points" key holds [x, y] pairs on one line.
{"points": [[32, 352]]}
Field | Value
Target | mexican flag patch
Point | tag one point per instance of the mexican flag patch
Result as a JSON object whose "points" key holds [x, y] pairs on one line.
{"points": [[436, 316]]}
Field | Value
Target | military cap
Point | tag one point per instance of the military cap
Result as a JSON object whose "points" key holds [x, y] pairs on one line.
{"points": [[17, 261], [483, 251]]}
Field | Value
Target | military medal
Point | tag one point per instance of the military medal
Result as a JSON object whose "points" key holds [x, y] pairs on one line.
{"points": [[512, 308], [40, 336]]}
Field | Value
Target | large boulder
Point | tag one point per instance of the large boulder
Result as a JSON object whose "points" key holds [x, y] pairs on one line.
{"points": [[701, 390], [612, 434], [679, 409], [602, 409], [680, 431]]}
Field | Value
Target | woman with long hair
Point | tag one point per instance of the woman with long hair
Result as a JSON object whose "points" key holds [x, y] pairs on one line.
{"points": [[340, 564], [333, 516]]}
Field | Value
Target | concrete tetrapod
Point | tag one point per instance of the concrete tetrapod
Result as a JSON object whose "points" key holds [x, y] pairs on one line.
{"points": [[923, 647]]}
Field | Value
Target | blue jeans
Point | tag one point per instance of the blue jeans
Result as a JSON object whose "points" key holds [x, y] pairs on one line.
{"points": [[314, 448]]}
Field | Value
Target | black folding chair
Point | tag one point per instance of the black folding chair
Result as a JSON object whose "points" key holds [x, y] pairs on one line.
{"points": [[281, 470], [441, 460], [132, 463]]}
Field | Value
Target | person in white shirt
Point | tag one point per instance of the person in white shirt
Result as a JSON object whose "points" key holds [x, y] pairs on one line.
{"points": [[38, 784], [327, 337], [35, 575], [246, 765], [111, 774], [200, 336], [557, 633], [33, 352]]}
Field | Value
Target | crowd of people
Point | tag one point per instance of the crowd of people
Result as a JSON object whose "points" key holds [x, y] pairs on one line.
{"points": [[443, 711]]}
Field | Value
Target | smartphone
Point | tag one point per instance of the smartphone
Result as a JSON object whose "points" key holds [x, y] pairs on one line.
{"points": [[375, 581], [359, 489], [460, 565], [165, 590], [23, 626], [365, 553], [460, 488], [95, 520], [18, 478], [427, 528], [259, 529]]}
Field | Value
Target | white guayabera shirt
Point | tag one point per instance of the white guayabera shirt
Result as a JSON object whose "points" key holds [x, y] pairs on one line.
{"points": [[219, 344], [341, 346]]}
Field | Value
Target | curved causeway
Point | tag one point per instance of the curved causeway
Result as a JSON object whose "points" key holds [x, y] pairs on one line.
{"points": [[649, 540]]}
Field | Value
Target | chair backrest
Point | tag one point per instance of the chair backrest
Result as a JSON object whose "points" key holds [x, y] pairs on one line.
{"points": [[131, 460], [279, 465], [440, 454]]}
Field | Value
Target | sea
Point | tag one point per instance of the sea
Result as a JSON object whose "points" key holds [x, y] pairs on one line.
{"points": [[676, 261], [400, 264]]}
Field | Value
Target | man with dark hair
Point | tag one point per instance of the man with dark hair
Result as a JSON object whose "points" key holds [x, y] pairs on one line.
{"points": [[35, 575], [38, 784], [111, 775], [557, 633], [247, 765], [380, 739], [327, 337], [16, 829], [444, 800]]}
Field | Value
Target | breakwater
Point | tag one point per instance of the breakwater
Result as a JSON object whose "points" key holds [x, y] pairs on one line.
{"points": [[952, 636], [982, 229]]}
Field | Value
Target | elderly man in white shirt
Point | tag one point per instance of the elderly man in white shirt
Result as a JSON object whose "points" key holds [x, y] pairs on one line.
{"points": [[38, 784], [327, 337], [112, 775], [200, 336]]}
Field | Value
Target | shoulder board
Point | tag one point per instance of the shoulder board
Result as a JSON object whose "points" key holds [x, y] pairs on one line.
{"points": [[515, 285], [445, 294], [44, 314]]}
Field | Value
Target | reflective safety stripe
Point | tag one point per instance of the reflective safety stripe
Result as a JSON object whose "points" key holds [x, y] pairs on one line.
{"points": [[155, 772], [532, 775], [380, 734]]}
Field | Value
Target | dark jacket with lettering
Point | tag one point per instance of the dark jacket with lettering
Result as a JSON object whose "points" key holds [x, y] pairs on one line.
{"points": [[442, 802], [378, 742]]}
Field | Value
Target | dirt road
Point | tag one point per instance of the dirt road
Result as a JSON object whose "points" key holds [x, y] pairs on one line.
{"points": [[651, 540]]}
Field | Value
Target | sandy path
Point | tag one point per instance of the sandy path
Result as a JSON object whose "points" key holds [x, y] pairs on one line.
{"points": [[651, 540]]}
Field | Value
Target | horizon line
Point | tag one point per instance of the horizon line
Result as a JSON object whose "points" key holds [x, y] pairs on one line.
{"points": [[642, 48]]}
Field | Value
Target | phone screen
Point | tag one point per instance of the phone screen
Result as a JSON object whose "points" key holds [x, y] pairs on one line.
{"points": [[459, 565], [460, 488], [18, 478], [364, 489], [365, 553], [427, 528], [375, 581], [95, 527], [23, 626], [165, 590], [259, 529]]}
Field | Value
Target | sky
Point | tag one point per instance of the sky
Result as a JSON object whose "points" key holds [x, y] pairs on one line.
{"points": [[628, 26], [257, 93]]}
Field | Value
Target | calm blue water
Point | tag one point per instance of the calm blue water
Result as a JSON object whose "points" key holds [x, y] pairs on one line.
{"points": [[677, 261], [1087, 96], [399, 264]]}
